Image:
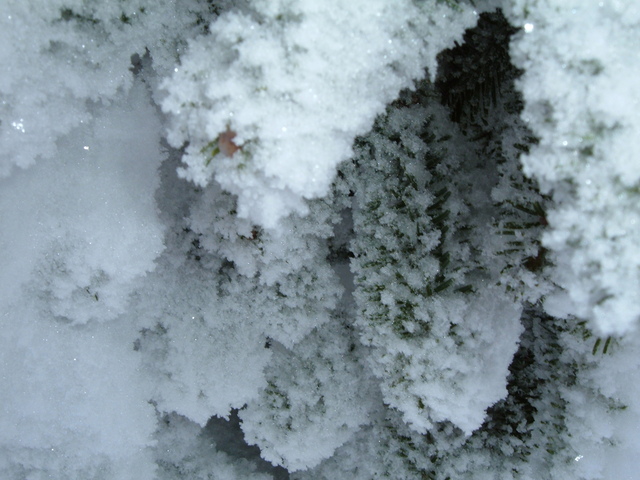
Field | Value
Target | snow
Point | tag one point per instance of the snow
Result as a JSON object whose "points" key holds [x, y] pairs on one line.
{"points": [[441, 355], [298, 430], [207, 356], [271, 211], [64, 57], [84, 224], [74, 402], [189, 452], [79, 232], [296, 91], [582, 102]]}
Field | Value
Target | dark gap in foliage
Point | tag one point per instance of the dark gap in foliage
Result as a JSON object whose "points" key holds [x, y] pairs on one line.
{"points": [[228, 437], [472, 76]]}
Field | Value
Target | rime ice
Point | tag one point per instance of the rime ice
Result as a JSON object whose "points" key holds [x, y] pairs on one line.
{"points": [[386, 239]]}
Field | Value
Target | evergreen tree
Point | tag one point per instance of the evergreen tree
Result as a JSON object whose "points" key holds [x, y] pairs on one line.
{"points": [[374, 239]]}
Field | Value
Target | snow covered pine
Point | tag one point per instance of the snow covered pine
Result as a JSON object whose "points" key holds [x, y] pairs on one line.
{"points": [[319, 239]]}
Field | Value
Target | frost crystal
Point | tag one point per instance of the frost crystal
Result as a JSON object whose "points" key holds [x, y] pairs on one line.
{"points": [[284, 77], [582, 102], [405, 250]]}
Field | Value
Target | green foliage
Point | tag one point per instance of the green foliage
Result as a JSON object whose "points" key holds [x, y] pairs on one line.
{"points": [[210, 150], [477, 82], [423, 209], [406, 246], [472, 76]]}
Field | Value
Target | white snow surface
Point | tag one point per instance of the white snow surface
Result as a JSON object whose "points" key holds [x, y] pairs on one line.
{"points": [[62, 57], [444, 381], [297, 81], [84, 225], [124, 332], [583, 102], [73, 400], [79, 231]]}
